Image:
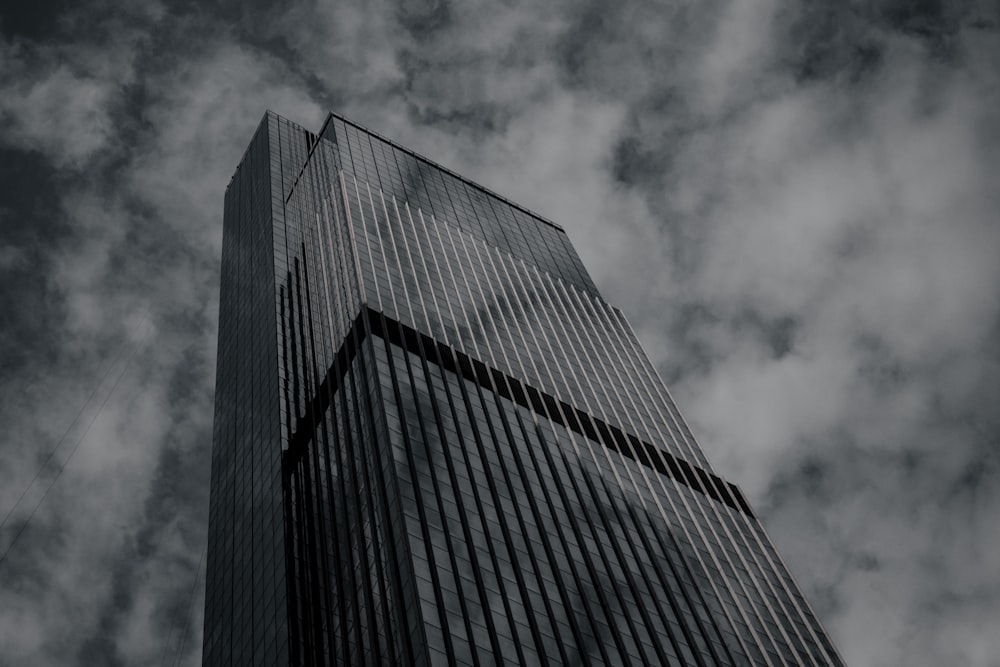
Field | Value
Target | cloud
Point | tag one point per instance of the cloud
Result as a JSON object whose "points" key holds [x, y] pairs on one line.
{"points": [[794, 203], [37, 119], [58, 97]]}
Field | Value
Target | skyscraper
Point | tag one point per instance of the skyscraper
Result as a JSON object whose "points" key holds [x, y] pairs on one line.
{"points": [[436, 443]]}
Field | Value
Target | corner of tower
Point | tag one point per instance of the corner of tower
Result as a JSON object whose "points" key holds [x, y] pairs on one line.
{"points": [[329, 117]]}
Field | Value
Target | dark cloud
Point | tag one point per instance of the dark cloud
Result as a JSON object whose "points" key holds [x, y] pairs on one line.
{"points": [[424, 18], [34, 20], [30, 219], [828, 40]]}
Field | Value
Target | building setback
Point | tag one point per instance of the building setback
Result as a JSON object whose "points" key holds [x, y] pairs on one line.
{"points": [[436, 443]]}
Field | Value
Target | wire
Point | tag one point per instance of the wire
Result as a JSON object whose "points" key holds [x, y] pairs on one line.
{"points": [[83, 437], [184, 636], [69, 428]]}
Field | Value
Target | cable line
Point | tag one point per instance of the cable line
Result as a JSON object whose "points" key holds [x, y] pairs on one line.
{"points": [[187, 610], [83, 437], [69, 428]]}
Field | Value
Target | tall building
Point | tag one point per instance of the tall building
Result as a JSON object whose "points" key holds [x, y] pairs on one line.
{"points": [[436, 443]]}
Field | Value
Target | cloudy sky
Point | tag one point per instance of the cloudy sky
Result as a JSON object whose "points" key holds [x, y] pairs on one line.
{"points": [[795, 203]]}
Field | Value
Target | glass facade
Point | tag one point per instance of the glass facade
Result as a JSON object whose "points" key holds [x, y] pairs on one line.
{"points": [[436, 443]]}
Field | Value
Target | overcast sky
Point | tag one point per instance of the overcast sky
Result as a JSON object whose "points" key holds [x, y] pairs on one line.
{"points": [[795, 204]]}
